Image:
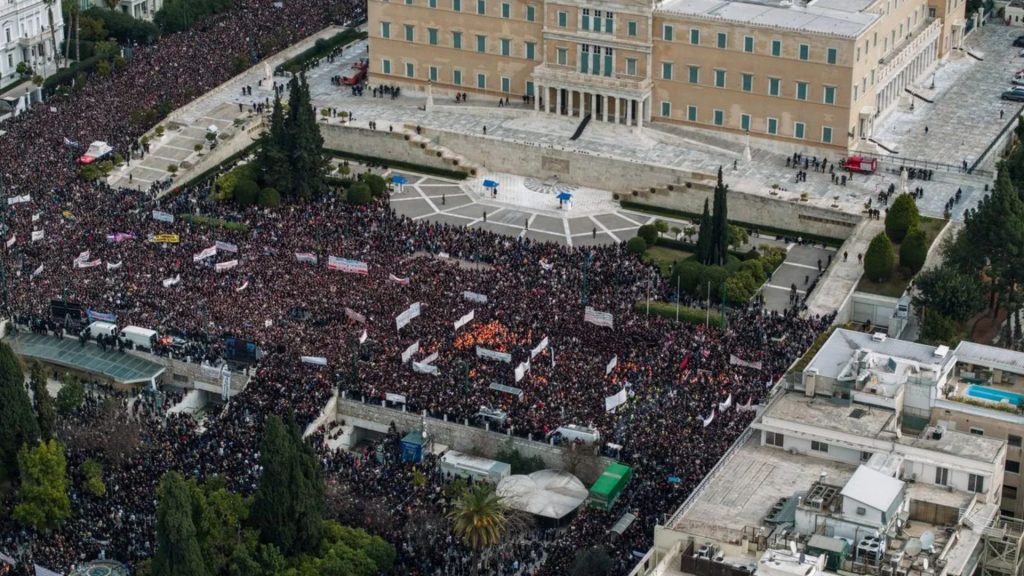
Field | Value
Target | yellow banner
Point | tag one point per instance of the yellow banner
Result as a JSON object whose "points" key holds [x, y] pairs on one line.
{"points": [[165, 239], [68, 215]]}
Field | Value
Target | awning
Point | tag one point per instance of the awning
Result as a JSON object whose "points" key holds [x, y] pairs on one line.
{"points": [[490, 184], [119, 367], [565, 196], [547, 493], [399, 179]]}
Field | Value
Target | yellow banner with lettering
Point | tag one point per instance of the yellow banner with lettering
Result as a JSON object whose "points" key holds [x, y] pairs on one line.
{"points": [[165, 239]]}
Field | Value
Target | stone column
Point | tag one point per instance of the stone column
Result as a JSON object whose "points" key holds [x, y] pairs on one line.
{"points": [[605, 102], [618, 112], [629, 112], [536, 98], [639, 115], [558, 101], [593, 104]]}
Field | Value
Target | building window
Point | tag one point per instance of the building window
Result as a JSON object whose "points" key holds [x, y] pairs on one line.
{"points": [[942, 476], [609, 22], [584, 59], [481, 6], [864, 456], [748, 44], [666, 70], [694, 74], [805, 52], [561, 56], [433, 73], [1009, 492], [666, 109], [410, 33], [481, 43], [456, 5], [432, 36], [801, 90], [1013, 467], [723, 40], [609, 62], [776, 47], [630, 66], [771, 438], [506, 10], [1013, 440], [529, 88], [719, 78], [773, 128], [531, 49], [826, 134], [457, 77], [773, 86], [531, 13], [862, 511], [830, 95], [748, 82], [563, 19], [745, 125], [815, 445], [832, 56], [977, 431], [666, 33], [506, 47], [597, 21], [506, 84], [432, 3], [798, 132], [385, 66], [691, 113], [410, 70], [719, 117], [631, 28], [585, 19], [385, 30], [975, 483], [481, 81], [695, 36], [457, 40]]}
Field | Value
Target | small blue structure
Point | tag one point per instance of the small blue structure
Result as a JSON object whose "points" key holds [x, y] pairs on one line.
{"points": [[490, 184], [565, 196], [412, 447], [399, 179]]}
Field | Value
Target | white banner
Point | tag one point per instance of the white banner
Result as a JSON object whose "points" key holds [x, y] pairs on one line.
{"points": [[521, 370], [226, 247], [11, 201], [355, 316], [466, 319], [737, 361], [539, 348], [489, 354], [396, 398], [113, 265], [243, 286], [611, 365], [422, 368], [163, 216], [474, 297], [598, 318], [405, 317], [614, 401], [748, 407], [92, 264], [37, 271], [412, 349], [41, 571], [38, 235], [168, 282], [83, 256], [204, 254], [723, 406], [707, 421], [12, 240], [318, 360], [363, 337], [403, 281], [429, 359], [307, 257], [222, 266]]}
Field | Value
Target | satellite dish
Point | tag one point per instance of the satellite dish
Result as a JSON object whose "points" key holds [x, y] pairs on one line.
{"points": [[792, 547], [927, 539], [913, 547]]}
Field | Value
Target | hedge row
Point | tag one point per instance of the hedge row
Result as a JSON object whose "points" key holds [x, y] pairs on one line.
{"points": [[688, 247], [673, 213], [419, 168], [217, 167], [67, 75], [686, 314], [320, 49]]}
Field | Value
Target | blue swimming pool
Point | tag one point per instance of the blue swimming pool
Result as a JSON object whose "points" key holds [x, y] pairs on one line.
{"points": [[994, 395]]}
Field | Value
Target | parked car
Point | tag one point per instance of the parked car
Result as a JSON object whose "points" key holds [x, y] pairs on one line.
{"points": [[1014, 95], [1019, 42]]}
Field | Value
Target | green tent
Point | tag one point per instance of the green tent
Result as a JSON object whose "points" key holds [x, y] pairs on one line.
{"points": [[610, 485]]}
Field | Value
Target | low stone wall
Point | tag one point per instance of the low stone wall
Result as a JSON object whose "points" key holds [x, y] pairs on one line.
{"points": [[381, 144], [468, 439]]}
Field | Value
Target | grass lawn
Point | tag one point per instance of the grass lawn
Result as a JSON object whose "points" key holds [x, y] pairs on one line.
{"points": [[687, 315], [897, 283], [665, 257]]}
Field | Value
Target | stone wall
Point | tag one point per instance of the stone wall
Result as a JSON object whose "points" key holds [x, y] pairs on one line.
{"points": [[468, 439], [382, 144]]}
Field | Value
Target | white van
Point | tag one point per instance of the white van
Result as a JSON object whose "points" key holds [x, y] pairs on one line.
{"points": [[140, 337], [105, 329]]}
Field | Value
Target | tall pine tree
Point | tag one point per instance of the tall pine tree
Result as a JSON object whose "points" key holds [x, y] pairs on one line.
{"points": [[177, 547], [275, 166], [704, 236], [46, 414], [721, 221], [17, 423], [306, 152]]}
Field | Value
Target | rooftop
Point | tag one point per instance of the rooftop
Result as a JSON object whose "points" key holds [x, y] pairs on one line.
{"points": [[871, 487], [972, 446], [991, 356], [821, 412], [843, 18], [68, 352], [841, 346]]}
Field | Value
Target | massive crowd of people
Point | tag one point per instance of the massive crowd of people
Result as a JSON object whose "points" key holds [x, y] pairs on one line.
{"points": [[672, 429]]}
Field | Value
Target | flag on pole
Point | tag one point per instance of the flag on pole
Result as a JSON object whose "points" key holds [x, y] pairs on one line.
{"points": [[598, 318], [465, 319], [539, 348], [348, 266], [522, 369], [82, 256], [168, 282], [37, 271], [412, 349], [243, 286], [89, 264], [397, 280]]}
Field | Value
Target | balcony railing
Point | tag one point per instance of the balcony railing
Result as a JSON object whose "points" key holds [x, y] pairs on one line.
{"points": [[545, 73]]}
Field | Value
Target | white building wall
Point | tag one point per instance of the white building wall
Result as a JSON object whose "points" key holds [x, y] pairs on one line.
{"points": [[25, 37], [870, 516]]}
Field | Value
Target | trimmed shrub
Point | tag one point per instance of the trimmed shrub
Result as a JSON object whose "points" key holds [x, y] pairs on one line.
{"points": [[739, 287], [359, 194], [879, 259], [901, 217], [246, 193], [689, 273], [756, 270], [269, 198], [914, 250], [772, 257], [376, 183], [636, 245], [649, 233]]}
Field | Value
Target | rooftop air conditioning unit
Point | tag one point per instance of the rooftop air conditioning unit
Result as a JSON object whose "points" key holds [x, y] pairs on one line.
{"points": [[879, 336]]}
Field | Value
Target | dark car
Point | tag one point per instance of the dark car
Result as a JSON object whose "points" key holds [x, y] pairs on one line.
{"points": [[1019, 42], [1015, 95]]}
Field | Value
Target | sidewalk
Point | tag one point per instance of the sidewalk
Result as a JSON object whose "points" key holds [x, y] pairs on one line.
{"points": [[842, 277]]}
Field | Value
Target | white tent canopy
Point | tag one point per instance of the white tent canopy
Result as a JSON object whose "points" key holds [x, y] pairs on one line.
{"points": [[549, 493]]}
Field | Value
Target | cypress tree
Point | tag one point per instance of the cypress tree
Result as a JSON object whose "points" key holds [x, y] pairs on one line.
{"points": [[306, 150], [274, 151], [46, 414], [719, 225], [19, 425], [704, 236], [177, 547], [308, 488]]}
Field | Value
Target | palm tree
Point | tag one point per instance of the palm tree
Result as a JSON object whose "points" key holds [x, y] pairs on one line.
{"points": [[53, 35], [480, 519], [112, 4], [72, 8]]}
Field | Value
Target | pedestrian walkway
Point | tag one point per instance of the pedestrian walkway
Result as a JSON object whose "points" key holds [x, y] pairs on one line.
{"points": [[844, 274]]}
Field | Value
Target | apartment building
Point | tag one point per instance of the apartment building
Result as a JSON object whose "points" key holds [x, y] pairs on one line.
{"points": [[814, 73], [25, 37]]}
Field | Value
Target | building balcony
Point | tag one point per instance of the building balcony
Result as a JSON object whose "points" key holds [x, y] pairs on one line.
{"points": [[617, 84], [29, 40], [907, 50]]}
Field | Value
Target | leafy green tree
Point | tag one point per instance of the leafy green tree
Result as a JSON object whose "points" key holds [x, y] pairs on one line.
{"points": [[636, 245], [914, 250], [739, 287], [46, 414], [218, 515], [901, 217], [358, 194], [704, 236], [177, 546], [879, 259], [70, 397], [592, 562], [43, 501], [269, 198], [738, 236], [649, 234], [246, 193], [376, 183], [661, 226], [480, 519], [92, 473], [937, 330], [288, 505], [18, 425], [949, 292]]}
